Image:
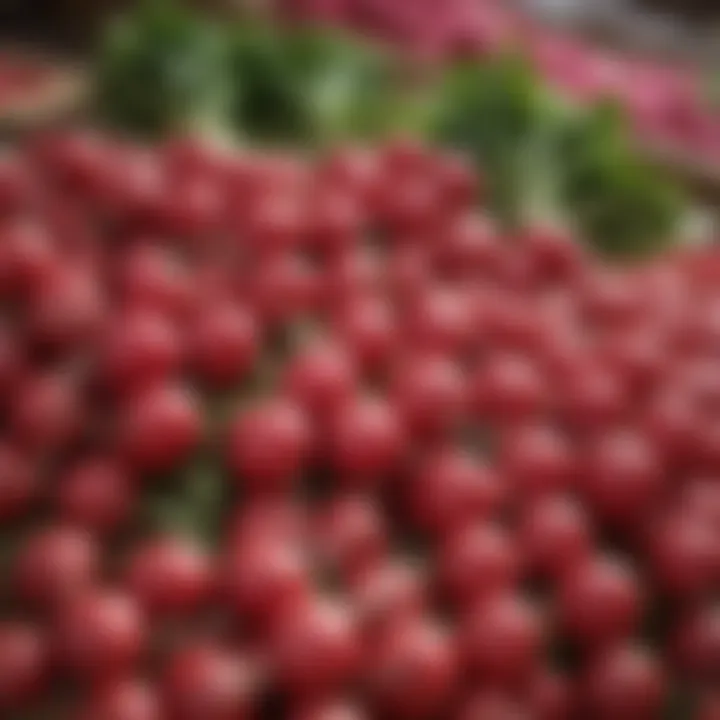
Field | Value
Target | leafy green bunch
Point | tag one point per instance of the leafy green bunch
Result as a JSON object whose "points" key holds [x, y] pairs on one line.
{"points": [[547, 159], [622, 204], [163, 68], [311, 85]]}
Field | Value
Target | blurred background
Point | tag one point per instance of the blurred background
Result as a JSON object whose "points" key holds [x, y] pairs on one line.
{"points": [[674, 24]]}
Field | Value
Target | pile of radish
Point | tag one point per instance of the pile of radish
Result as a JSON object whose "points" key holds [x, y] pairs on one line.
{"points": [[301, 439]]}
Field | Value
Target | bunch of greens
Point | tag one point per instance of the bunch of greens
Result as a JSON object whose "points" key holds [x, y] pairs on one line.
{"points": [[162, 68], [622, 204], [545, 159], [498, 113], [311, 85]]}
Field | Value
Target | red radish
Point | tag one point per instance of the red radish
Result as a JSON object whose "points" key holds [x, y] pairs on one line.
{"points": [[334, 220], [368, 326], [133, 190], [624, 476], [224, 343], [478, 561], [275, 223], [206, 681], [67, 312], [330, 711], [55, 564], [685, 555], [538, 460], [263, 576], [11, 362], [592, 396], [321, 378], [192, 208], [670, 423], [283, 288], [97, 494], [555, 535], [701, 499], [349, 167], [494, 704], [276, 518], [47, 413], [142, 349], [471, 248], [192, 156], [708, 708], [315, 648], [555, 255], [23, 662], [367, 440], [414, 672], [352, 534], [170, 576], [350, 275], [76, 160], [453, 488], [407, 273], [439, 320], [389, 594], [624, 682], [160, 428], [551, 696], [600, 601], [430, 393], [100, 634], [19, 486], [268, 445], [28, 258], [502, 639], [460, 185], [507, 321], [509, 389], [697, 643], [151, 277], [122, 700], [16, 186]]}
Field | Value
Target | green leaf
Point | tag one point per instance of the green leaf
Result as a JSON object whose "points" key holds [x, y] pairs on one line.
{"points": [[496, 111], [267, 102], [350, 84], [161, 68], [542, 157], [490, 108], [310, 85], [622, 205]]}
